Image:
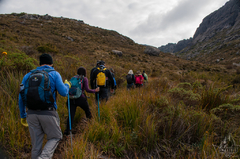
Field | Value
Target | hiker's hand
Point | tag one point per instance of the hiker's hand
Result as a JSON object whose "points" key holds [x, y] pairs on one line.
{"points": [[24, 122], [97, 89], [68, 83], [112, 90]]}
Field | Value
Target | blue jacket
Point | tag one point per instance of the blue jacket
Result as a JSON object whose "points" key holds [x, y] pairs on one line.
{"points": [[56, 83]]}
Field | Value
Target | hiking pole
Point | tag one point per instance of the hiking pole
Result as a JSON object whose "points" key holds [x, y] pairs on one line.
{"points": [[69, 116], [98, 106]]}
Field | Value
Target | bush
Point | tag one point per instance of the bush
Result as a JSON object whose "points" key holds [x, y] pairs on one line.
{"points": [[47, 48], [188, 97], [227, 111], [17, 62]]}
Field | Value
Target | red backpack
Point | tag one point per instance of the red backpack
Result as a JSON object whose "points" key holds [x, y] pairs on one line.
{"points": [[138, 79]]}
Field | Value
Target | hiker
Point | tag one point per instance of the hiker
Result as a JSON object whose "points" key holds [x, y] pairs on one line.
{"points": [[115, 83], [139, 79], [81, 99], [40, 99], [145, 76], [130, 80], [99, 78], [93, 81]]}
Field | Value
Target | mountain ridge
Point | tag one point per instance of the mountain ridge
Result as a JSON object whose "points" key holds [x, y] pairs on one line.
{"points": [[217, 32]]}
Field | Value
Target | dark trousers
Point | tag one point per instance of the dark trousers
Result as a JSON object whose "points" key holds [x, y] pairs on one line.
{"points": [[103, 94], [130, 86], [138, 85], [74, 103]]}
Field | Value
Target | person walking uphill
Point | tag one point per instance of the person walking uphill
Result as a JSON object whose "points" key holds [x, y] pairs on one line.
{"points": [[39, 96], [139, 79], [145, 77], [130, 80], [93, 81], [99, 78], [79, 99]]}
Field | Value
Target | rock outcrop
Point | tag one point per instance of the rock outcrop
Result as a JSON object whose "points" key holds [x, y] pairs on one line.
{"points": [[217, 32], [152, 51]]}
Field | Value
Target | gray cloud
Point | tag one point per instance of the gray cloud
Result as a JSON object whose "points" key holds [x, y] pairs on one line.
{"points": [[185, 12], [177, 24]]}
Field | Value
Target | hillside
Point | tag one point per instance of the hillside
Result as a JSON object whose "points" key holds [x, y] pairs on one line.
{"points": [[215, 40], [82, 44], [184, 109]]}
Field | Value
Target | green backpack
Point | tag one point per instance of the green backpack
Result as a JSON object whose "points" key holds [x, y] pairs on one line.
{"points": [[76, 88]]}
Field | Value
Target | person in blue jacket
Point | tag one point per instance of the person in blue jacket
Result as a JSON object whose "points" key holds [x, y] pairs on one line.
{"points": [[46, 120]]}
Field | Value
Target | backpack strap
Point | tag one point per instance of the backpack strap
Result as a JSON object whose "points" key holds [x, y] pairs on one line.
{"points": [[51, 96]]}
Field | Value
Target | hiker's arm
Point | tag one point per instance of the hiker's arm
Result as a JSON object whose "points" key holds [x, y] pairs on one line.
{"points": [[133, 78], [60, 86], [22, 107], [92, 79], [85, 85]]}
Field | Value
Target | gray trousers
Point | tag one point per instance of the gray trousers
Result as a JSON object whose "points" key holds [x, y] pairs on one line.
{"points": [[40, 123]]}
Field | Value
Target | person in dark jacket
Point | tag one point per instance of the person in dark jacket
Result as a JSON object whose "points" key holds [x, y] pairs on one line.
{"points": [[92, 81], [115, 84], [81, 101], [130, 80], [103, 93]]}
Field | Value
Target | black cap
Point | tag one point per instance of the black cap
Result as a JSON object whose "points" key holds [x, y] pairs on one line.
{"points": [[45, 59], [101, 63]]}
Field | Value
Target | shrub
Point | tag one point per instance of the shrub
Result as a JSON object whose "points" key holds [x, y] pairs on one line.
{"points": [[17, 62], [188, 97], [227, 111], [186, 86], [47, 48]]}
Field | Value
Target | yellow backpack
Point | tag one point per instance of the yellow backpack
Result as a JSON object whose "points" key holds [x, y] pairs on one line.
{"points": [[101, 77]]}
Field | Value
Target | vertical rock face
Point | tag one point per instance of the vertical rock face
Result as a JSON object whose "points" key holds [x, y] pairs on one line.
{"points": [[224, 18], [216, 30]]}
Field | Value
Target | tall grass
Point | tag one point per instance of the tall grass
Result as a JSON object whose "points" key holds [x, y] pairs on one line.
{"points": [[213, 97], [149, 122], [12, 134]]}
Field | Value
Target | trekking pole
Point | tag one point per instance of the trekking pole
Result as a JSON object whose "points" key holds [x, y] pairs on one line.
{"points": [[69, 116], [98, 106]]}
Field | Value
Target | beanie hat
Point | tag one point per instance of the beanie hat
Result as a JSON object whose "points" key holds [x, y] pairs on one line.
{"points": [[45, 59], [130, 72]]}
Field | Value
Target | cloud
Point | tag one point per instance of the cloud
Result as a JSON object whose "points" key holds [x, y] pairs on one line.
{"points": [[176, 24]]}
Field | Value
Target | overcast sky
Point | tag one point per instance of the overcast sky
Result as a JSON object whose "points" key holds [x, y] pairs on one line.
{"points": [[152, 22]]}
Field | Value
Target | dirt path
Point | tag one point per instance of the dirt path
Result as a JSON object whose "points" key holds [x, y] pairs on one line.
{"points": [[60, 151]]}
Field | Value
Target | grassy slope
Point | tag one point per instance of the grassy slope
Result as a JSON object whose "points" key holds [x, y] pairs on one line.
{"points": [[163, 119]]}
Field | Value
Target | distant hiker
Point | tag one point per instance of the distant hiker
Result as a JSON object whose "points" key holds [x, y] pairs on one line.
{"points": [[99, 78], [39, 96], [77, 96], [145, 76], [130, 80], [93, 81], [139, 79], [115, 83]]}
